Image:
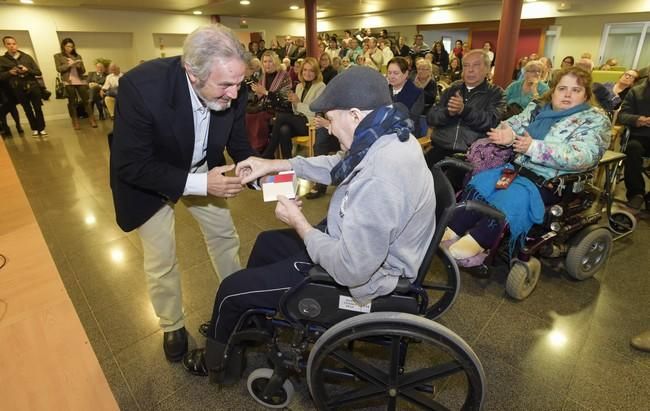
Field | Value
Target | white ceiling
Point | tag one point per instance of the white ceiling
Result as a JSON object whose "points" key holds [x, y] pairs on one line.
{"points": [[279, 9]]}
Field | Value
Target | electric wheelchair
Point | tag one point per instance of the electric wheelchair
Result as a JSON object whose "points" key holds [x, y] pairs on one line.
{"points": [[388, 354], [573, 229]]}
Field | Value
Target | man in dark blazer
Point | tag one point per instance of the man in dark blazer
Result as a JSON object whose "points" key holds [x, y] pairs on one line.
{"points": [[174, 118]]}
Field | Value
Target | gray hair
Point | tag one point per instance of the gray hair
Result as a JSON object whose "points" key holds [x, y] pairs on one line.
{"points": [[484, 56], [208, 44]]}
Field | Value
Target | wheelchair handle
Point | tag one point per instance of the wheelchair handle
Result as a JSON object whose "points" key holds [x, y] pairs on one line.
{"points": [[456, 163], [485, 209]]}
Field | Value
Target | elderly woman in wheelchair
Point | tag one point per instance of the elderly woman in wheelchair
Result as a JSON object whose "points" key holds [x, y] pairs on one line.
{"points": [[379, 218], [562, 134]]}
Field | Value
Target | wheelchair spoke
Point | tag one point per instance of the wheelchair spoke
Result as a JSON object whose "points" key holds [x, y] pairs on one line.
{"points": [[361, 368], [395, 363], [439, 286], [426, 375], [414, 397], [392, 404], [364, 393]]}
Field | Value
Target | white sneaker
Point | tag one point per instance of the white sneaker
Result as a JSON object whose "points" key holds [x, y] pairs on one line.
{"points": [[43, 132], [34, 133]]}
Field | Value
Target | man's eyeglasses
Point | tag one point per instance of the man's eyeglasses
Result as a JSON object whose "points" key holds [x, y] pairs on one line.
{"points": [[630, 75]]}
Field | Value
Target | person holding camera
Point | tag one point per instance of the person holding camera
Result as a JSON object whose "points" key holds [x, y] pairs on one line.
{"points": [[20, 70], [71, 67]]}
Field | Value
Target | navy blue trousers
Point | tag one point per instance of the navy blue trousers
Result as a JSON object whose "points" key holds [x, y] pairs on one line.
{"points": [[278, 261]]}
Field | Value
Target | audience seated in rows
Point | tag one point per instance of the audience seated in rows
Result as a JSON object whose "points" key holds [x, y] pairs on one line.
{"points": [[270, 97], [295, 123]]}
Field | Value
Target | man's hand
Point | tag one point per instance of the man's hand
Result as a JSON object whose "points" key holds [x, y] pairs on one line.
{"points": [[14, 71], [223, 186], [290, 213], [455, 105], [320, 122], [643, 121], [254, 167]]}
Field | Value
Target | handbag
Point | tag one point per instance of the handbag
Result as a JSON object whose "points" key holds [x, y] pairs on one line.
{"points": [[59, 88], [483, 155], [45, 93]]}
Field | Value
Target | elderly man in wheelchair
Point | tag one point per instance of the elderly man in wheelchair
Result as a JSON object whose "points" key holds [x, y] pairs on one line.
{"points": [[379, 230], [556, 139]]}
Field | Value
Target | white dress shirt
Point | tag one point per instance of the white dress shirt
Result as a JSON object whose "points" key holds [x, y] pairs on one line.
{"points": [[197, 180]]}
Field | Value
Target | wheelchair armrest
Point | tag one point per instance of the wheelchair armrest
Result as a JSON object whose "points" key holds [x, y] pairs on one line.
{"points": [[483, 208], [318, 273], [452, 162], [571, 178]]}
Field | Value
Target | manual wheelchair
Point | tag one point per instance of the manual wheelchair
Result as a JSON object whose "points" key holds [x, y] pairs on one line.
{"points": [[572, 229], [388, 354]]}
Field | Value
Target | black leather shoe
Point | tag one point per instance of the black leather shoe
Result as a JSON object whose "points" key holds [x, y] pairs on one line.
{"points": [[194, 362], [175, 344], [203, 329]]}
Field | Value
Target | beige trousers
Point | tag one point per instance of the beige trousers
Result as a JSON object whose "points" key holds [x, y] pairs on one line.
{"points": [[161, 264]]}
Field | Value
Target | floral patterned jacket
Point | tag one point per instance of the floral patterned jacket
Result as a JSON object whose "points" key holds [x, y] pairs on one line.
{"points": [[572, 145]]}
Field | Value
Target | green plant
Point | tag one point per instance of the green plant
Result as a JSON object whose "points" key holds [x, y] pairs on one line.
{"points": [[104, 61]]}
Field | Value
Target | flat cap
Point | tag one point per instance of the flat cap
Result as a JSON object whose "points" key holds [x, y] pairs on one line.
{"points": [[357, 87]]}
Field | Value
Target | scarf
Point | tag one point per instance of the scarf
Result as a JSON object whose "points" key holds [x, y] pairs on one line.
{"points": [[393, 119], [521, 202], [422, 84], [539, 127]]}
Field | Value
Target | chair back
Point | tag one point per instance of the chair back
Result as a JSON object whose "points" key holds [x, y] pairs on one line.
{"points": [[445, 205]]}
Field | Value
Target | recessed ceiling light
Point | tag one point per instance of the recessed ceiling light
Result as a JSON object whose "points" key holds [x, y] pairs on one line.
{"points": [[27, 1], [197, 12], [244, 2], [435, 8], [294, 7]]}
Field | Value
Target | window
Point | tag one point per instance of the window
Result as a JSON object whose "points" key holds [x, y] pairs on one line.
{"points": [[629, 43]]}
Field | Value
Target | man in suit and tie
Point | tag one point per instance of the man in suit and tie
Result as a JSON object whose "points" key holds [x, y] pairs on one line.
{"points": [[289, 50], [174, 118]]}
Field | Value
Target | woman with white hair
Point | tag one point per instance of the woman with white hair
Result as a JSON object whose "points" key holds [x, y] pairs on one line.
{"points": [[521, 92]]}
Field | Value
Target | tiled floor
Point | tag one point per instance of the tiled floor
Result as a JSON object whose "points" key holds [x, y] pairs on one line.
{"points": [[592, 367]]}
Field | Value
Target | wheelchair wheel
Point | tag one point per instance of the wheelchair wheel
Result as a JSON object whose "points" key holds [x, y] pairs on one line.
{"points": [[588, 252], [398, 362], [622, 222], [442, 285], [523, 278], [257, 383]]}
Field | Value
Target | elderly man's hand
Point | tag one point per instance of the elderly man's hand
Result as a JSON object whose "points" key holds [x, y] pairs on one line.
{"points": [[290, 212], [456, 104], [254, 167], [220, 185]]}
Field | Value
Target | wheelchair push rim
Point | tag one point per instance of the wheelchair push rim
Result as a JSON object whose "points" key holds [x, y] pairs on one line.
{"points": [[398, 361]]}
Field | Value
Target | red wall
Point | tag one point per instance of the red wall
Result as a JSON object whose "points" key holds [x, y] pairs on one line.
{"points": [[529, 41]]}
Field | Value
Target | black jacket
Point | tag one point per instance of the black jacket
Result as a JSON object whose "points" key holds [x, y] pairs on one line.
{"points": [[636, 104], [22, 81], [484, 108], [153, 139]]}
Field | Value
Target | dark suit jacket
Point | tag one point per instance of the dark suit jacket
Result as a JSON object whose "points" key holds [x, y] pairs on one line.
{"points": [[153, 139]]}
